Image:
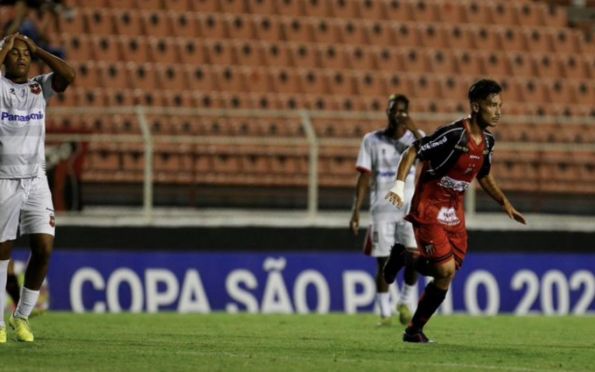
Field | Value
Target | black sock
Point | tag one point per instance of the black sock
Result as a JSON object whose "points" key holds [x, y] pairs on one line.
{"points": [[12, 287], [428, 304]]}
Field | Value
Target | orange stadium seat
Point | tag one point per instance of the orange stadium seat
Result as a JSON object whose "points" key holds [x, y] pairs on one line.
{"points": [[317, 8], [157, 23], [220, 52], [73, 25], [163, 50], [537, 41], [178, 98], [534, 91], [262, 7], [333, 56], [128, 23], [531, 14], [341, 83], [201, 78], [278, 54], [305, 56], [99, 21], [240, 26], [294, 8], [503, 13], [521, 64], [379, 33], [297, 30], [285, 80], [388, 59], [326, 31], [172, 78], [398, 11], [454, 88], [181, 5], [561, 91], [432, 35], [427, 86], [459, 36], [372, 9], [345, 8], [87, 74], [105, 48], [451, 12], [585, 92], [370, 84], [547, 65], [425, 11], [114, 75], [414, 60], [205, 6], [469, 63], [442, 61], [143, 75], [268, 28], [152, 4], [478, 12], [575, 66], [114, 4], [313, 82], [249, 53], [511, 88], [230, 79], [258, 80], [397, 82], [192, 51], [234, 6], [212, 26], [487, 38], [406, 35], [134, 49], [565, 40], [360, 58], [184, 24], [495, 63]]}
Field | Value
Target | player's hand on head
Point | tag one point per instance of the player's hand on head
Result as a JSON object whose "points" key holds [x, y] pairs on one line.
{"points": [[8, 41], [30, 43]]}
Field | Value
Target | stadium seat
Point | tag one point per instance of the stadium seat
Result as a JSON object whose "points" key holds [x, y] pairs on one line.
{"points": [[487, 38], [73, 25], [561, 91], [495, 63], [530, 14], [99, 20], [353, 32], [234, 6], [285, 80], [158, 23], [576, 66], [388, 59], [333, 56], [240, 26], [425, 11], [398, 11], [294, 8], [454, 88], [192, 51], [113, 75], [257, 80], [297, 30], [134, 49], [372, 9], [201, 78], [521, 64], [105, 48], [249, 53], [326, 31], [341, 83], [538, 41], [432, 35], [230, 79], [478, 12], [414, 60], [268, 28], [360, 58], [205, 6], [379, 33], [427, 86], [112, 4], [184, 24], [397, 82], [345, 8], [470, 63], [128, 23], [565, 41], [181, 5], [172, 78], [406, 35], [505, 13], [277, 54], [212, 26], [459, 36], [313, 82], [220, 52], [143, 75], [163, 50], [452, 12], [533, 90], [317, 8], [263, 7], [585, 92], [442, 61], [547, 65], [87, 74], [304, 55]]}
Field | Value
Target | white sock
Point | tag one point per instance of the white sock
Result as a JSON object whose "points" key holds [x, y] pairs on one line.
{"points": [[406, 294], [27, 303], [384, 304], [3, 279]]}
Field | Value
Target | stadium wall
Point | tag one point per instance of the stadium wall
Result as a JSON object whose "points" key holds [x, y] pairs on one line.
{"points": [[301, 270]]}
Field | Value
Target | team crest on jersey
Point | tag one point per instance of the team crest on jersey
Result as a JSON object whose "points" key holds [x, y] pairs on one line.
{"points": [[35, 88], [52, 221]]}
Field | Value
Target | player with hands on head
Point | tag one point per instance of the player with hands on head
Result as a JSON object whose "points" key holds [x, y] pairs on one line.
{"points": [[452, 157], [25, 199], [378, 157]]}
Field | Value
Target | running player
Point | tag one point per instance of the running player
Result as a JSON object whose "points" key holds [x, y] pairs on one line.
{"points": [[453, 156], [25, 198], [379, 155]]}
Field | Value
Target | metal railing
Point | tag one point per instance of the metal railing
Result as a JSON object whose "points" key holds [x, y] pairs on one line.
{"points": [[311, 139]]}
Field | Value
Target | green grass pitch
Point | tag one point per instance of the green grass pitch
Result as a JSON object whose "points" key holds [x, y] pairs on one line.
{"points": [[337, 342]]}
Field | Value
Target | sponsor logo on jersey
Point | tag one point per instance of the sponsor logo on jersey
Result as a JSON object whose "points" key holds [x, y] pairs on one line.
{"points": [[35, 88], [7, 116], [431, 145], [448, 216]]}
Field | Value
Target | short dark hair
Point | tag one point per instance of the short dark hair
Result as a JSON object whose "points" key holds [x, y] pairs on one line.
{"points": [[481, 89], [394, 98]]}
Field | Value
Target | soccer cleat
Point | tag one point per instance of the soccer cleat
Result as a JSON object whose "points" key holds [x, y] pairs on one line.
{"points": [[2, 335], [395, 262], [21, 327], [404, 314], [415, 337], [385, 321]]}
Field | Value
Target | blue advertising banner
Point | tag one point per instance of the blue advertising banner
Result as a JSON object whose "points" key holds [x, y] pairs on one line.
{"points": [[488, 283]]}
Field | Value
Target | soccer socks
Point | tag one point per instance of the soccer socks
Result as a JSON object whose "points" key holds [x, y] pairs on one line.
{"points": [[12, 287], [27, 303], [406, 292], [3, 276], [383, 300], [428, 304]]}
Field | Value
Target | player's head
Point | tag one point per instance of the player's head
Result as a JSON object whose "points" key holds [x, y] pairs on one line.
{"points": [[486, 102], [398, 104], [18, 61]]}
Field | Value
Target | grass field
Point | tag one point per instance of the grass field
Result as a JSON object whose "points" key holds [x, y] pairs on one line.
{"points": [[222, 342]]}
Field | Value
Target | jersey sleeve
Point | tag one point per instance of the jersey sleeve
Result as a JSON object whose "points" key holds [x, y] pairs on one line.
{"points": [[433, 145], [364, 158], [46, 85]]}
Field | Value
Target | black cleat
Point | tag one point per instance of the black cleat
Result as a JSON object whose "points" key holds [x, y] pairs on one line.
{"points": [[395, 262], [416, 337]]}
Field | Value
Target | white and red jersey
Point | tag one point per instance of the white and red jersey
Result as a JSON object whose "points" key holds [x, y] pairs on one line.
{"points": [[22, 126], [379, 155]]}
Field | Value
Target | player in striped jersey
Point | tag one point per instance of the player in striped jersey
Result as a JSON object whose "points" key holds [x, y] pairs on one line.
{"points": [[25, 198], [378, 157]]}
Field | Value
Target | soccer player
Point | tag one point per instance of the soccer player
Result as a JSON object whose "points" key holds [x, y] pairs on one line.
{"points": [[379, 155], [452, 157], [25, 198]]}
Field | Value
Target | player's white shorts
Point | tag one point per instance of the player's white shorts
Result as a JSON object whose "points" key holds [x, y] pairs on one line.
{"points": [[381, 237], [26, 207]]}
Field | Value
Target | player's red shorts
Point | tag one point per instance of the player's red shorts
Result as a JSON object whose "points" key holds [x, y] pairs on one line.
{"points": [[439, 243]]}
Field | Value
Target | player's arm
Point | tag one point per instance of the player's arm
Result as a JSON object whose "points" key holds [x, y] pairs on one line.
{"points": [[396, 195], [64, 74], [361, 190], [488, 183], [7, 44]]}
